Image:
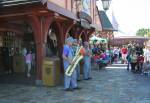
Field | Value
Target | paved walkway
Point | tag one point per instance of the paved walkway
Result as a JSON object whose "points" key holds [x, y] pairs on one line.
{"points": [[113, 84]]}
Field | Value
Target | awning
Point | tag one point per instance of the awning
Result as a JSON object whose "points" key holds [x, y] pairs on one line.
{"points": [[85, 24], [95, 39], [106, 24], [55, 8], [96, 27]]}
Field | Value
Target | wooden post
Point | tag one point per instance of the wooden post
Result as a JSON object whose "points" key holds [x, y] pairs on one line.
{"points": [[40, 26], [89, 33], [78, 32], [67, 27]]}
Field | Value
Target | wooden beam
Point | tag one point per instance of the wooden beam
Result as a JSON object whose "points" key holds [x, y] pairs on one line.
{"points": [[18, 32], [19, 29], [37, 26], [67, 27]]}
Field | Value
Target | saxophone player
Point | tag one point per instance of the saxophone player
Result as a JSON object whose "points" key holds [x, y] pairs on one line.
{"points": [[70, 82], [75, 48]]}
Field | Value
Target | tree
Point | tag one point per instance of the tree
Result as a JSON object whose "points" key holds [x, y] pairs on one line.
{"points": [[143, 32]]}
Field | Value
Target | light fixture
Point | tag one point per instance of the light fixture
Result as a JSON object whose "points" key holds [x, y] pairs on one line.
{"points": [[106, 4]]}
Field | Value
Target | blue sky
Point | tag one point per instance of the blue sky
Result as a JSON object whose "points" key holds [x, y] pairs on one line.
{"points": [[130, 14]]}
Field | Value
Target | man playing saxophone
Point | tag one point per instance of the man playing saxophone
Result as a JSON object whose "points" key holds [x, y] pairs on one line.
{"points": [[76, 46], [70, 82]]}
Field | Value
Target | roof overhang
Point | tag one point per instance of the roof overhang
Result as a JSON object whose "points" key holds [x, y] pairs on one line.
{"points": [[105, 22], [55, 8], [96, 27], [10, 3]]}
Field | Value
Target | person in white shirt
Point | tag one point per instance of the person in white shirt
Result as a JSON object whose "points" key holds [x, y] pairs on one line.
{"points": [[24, 51], [116, 54], [146, 54]]}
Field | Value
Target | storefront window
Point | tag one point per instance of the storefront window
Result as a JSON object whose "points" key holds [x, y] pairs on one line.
{"points": [[10, 41]]}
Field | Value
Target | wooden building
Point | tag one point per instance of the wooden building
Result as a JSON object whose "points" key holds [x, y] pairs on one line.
{"points": [[125, 40], [41, 24], [107, 28]]}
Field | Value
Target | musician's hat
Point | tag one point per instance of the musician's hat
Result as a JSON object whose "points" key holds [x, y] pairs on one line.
{"points": [[86, 43], [70, 39], [75, 40]]}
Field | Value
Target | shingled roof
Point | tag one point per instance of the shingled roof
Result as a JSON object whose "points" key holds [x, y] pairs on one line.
{"points": [[51, 6], [106, 24], [8, 3]]}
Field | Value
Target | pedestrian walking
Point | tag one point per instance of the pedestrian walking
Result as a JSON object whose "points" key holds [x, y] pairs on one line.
{"points": [[28, 58]]}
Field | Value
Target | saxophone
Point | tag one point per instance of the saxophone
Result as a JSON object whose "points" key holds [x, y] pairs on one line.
{"points": [[75, 60]]}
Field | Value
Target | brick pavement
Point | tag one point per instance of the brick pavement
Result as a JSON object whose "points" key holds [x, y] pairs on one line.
{"points": [[113, 84]]}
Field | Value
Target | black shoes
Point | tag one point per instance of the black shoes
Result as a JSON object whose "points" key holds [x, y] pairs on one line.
{"points": [[88, 78], [79, 80], [69, 89], [72, 89], [77, 88]]}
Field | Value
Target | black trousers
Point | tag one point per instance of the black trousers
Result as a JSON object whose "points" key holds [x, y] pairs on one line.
{"points": [[139, 67], [133, 66]]}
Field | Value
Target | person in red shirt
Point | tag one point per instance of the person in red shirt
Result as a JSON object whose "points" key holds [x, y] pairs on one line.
{"points": [[140, 61], [124, 52]]}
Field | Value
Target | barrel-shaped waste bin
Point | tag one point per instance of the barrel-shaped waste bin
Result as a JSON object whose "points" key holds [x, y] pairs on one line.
{"points": [[51, 72], [19, 64]]}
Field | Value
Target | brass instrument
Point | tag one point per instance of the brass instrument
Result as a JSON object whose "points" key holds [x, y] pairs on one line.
{"points": [[75, 60]]}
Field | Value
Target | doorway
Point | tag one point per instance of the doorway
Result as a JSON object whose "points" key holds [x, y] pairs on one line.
{"points": [[13, 49]]}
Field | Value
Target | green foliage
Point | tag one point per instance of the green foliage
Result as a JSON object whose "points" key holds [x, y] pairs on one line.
{"points": [[143, 32]]}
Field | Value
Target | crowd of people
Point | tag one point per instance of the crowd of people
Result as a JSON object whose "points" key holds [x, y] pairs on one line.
{"points": [[136, 56], [101, 54]]}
